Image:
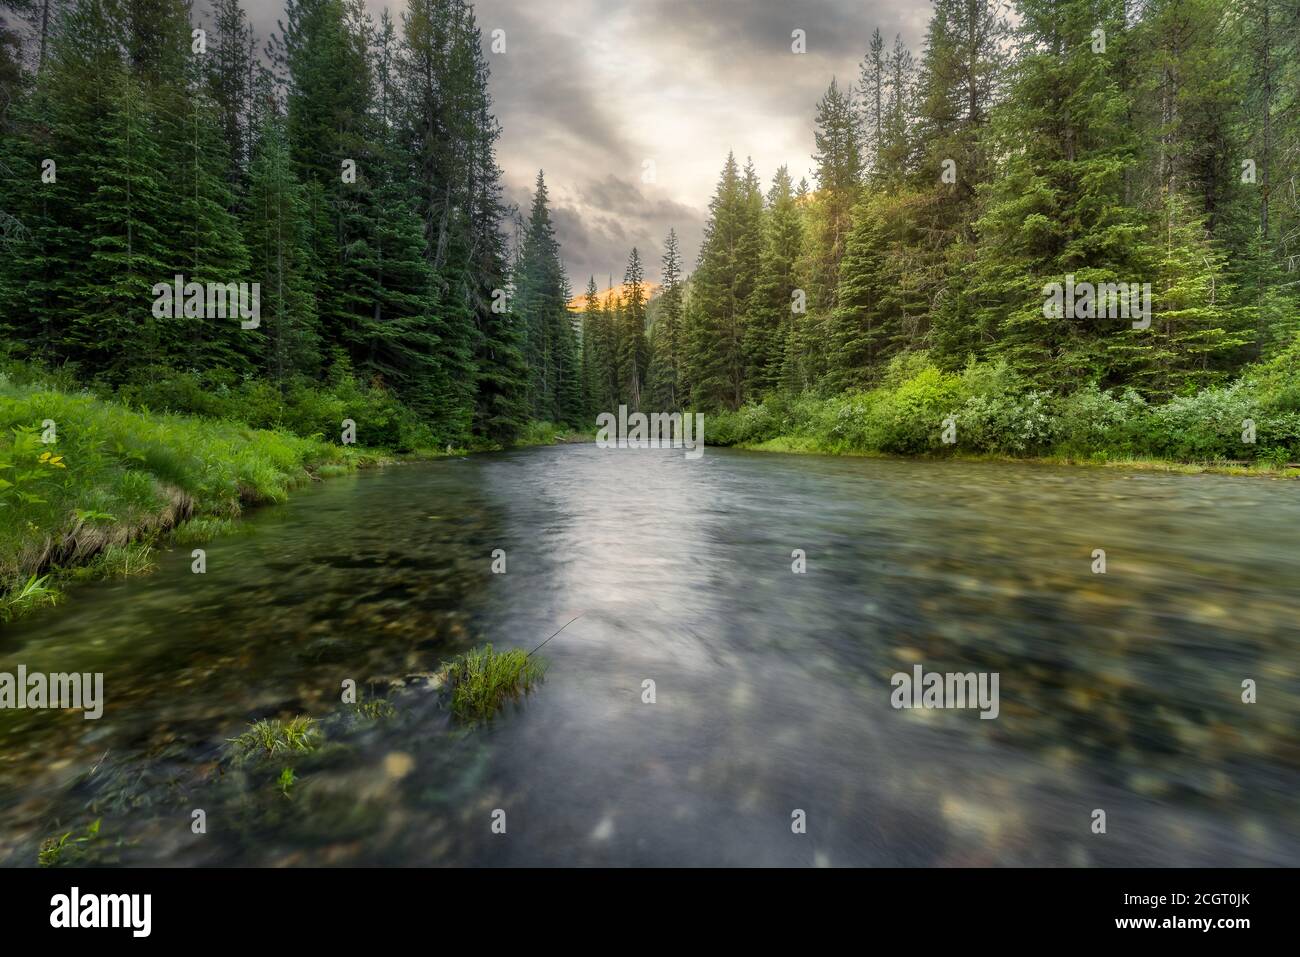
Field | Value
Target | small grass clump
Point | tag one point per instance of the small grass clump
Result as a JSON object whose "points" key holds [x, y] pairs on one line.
{"points": [[482, 679], [271, 736], [374, 709], [33, 593], [67, 849], [286, 782]]}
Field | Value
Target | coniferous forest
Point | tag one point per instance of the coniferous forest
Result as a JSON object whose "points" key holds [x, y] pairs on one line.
{"points": [[347, 165]]}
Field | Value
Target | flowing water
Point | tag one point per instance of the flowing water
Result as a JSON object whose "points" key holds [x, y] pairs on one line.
{"points": [[1119, 691]]}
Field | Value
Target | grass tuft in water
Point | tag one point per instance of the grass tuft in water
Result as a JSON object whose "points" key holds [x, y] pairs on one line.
{"points": [[272, 736], [67, 849], [374, 709], [482, 679], [32, 594], [286, 781]]}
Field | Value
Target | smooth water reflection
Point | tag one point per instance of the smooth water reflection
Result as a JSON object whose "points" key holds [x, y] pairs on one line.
{"points": [[1118, 691]]}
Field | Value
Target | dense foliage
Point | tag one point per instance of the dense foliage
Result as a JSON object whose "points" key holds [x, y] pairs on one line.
{"points": [[349, 169], [350, 172], [1080, 142]]}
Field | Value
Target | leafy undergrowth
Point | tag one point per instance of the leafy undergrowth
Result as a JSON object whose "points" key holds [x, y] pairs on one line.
{"points": [[87, 486], [482, 680], [988, 411], [549, 433]]}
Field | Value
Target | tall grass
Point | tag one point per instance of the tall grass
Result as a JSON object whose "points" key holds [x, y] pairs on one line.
{"points": [[271, 737], [83, 479]]}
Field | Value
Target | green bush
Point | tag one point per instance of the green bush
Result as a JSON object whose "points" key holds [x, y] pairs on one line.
{"points": [[1205, 426], [997, 413], [1093, 422]]}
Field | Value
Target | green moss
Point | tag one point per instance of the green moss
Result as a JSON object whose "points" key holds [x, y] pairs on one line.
{"points": [[482, 680]]}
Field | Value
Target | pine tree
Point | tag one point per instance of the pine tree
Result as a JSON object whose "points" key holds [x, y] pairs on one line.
{"points": [[873, 84], [839, 181], [723, 283], [772, 307], [1056, 207], [670, 325], [541, 301], [277, 235], [591, 371], [210, 245], [633, 352], [229, 82]]}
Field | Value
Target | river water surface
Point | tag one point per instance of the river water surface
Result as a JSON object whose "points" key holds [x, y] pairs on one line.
{"points": [[1119, 692]]}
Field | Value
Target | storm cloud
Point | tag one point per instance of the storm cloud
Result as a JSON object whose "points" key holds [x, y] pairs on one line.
{"points": [[631, 106]]}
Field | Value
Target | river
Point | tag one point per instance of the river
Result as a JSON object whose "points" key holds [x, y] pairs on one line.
{"points": [[1119, 692]]}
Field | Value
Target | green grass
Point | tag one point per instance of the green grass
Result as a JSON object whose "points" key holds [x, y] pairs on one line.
{"points": [[271, 736], [28, 596], [286, 781], [67, 849], [374, 709], [549, 433], [89, 485], [481, 680]]}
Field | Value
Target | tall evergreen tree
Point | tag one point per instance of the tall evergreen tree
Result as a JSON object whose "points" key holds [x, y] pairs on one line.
{"points": [[633, 352], [723, 283], [772, 306]]}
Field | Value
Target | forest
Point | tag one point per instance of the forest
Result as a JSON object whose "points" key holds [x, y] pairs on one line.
{"points": [[348, 167], [919, 276]]}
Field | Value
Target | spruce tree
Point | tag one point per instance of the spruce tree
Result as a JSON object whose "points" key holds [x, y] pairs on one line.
{"points": [[633, 351], [771, 308]]}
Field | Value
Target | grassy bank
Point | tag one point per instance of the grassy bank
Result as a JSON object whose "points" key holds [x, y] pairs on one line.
{"points": [[987, 412], [92, 482], [548, 433], [88, 486]]}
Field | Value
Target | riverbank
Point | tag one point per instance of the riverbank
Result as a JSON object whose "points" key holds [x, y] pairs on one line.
{"points": [[89, 487], [802, 445], [988, 413]]}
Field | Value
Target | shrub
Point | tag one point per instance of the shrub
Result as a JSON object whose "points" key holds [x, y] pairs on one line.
{"points": [[1010, 424], [1207, 425], [1091, 422]]}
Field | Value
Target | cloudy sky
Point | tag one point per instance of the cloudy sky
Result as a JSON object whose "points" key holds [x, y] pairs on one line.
{"points": [[591, 91]]}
